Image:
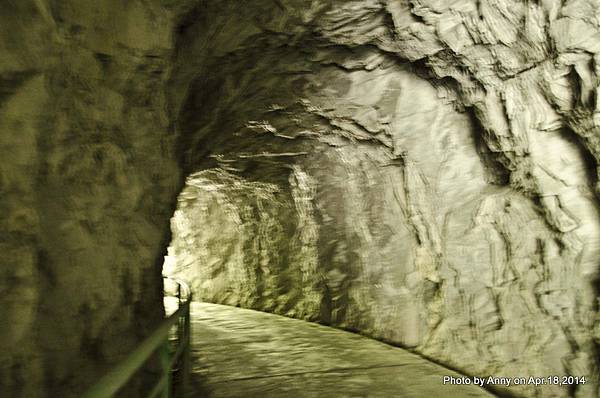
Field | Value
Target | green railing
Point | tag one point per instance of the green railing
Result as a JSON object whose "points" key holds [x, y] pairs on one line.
{"points": [[175, 361]]}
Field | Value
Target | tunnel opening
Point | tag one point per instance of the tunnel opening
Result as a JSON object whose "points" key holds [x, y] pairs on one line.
{"points": [[229, 233]]}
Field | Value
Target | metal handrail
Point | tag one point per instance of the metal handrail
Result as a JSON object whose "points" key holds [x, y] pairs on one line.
{"points": [[118, 376]]}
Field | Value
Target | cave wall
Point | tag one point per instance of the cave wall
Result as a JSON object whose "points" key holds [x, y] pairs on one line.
{"points": [[406, 224], [88, 181], [436, 161]]}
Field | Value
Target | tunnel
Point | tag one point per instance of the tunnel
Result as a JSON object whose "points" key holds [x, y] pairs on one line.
{"points": [[374, 198]]}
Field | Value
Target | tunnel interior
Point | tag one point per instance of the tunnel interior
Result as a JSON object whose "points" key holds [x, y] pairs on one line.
{"points": [[337, 185], [421, 173]]}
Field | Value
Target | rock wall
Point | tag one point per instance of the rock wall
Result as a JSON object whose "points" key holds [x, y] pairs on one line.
{"points": [[418, 170], [88, 179], [431, 169]]}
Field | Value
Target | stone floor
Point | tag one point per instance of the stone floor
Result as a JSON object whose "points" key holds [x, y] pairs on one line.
{"points": [[244, 353]]}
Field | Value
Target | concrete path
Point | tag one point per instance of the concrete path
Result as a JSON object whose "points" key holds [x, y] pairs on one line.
{"points": [[244, 353]]}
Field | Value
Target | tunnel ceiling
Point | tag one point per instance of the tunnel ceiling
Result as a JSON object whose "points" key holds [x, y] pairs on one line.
{"points": [[421, 171]]}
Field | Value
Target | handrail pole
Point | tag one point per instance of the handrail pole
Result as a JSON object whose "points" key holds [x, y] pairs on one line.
{"points": [[179, 326], [120, 374], [166, 368], [123, 371], [187, 368]]}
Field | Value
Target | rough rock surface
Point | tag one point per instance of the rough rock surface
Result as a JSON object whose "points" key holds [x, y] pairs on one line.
{"points": [[88, 178], [419, 171]]}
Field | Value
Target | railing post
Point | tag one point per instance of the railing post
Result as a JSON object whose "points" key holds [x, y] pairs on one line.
{"points": [[166, 368], [187, 369], [180, 329], [157, 343]]}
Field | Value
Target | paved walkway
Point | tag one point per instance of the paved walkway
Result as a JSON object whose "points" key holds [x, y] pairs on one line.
{"points": [[244, 353]]}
